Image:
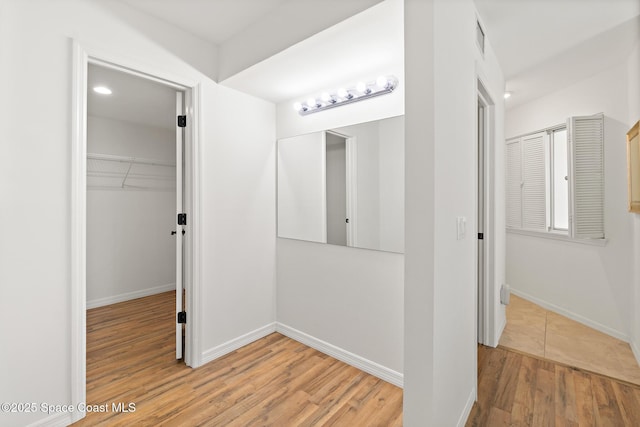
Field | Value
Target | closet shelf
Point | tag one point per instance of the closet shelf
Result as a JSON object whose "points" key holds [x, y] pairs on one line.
{"points": [[110, 172]]}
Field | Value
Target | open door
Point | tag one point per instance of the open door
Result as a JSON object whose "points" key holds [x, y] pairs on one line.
{"points": [[181, 220]]}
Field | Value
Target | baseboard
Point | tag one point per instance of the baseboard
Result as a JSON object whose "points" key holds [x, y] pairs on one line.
{"points": [[382, 372], [467, 408], [236, 343], [573, 316], [54, 420], [503, 324], [635, 350], [130, 295]]}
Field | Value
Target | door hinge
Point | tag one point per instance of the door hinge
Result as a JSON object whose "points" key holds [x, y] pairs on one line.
{"points": [[182, 317], [182, 121], [480, 236], [182, 219]]}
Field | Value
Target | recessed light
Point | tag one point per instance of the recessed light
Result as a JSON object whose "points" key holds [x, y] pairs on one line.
{"points": [[102, 90], [507, 95]]}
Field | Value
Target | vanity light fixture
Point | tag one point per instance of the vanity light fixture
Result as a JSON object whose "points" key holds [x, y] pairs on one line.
{"points": [[361, 91]]}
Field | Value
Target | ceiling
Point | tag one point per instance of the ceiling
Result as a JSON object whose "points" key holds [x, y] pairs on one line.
{"points": [[544, 45], [134, 99], [369, 44], [212, 20]]}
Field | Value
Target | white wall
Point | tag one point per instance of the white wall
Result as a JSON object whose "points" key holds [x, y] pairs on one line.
{"points": [[130, 249], [349, 298], [440, 284], [592, 284], [238, 186], [239, 230], [634, 116]]}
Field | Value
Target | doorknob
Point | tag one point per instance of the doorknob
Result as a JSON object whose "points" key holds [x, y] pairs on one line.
{"points": [[173, 233]]}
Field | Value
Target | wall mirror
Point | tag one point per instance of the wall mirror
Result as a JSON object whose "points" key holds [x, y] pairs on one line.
{"points": [[344, 186]]}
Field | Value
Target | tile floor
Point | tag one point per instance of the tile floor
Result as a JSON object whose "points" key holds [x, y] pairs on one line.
{"points": [[537, 331]]}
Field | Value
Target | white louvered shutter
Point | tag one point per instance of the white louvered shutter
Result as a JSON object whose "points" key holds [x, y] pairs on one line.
{"points": [[586, 172], [534, 190], [514, 184]]}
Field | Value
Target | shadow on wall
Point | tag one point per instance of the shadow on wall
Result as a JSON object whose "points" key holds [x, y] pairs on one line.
{"points": [[147, 26]]}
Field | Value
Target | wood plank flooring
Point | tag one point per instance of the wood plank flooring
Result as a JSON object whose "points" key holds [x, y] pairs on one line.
{"points": [[274, 381], [516, 389]]}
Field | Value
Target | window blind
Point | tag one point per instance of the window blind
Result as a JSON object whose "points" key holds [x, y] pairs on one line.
{"points": [[586, 137], [514, 184], [534, 188]]}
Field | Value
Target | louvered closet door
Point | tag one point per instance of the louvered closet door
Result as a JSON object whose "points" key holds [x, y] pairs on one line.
{"points": [[514, 184], [534, 189], [586, 136]]}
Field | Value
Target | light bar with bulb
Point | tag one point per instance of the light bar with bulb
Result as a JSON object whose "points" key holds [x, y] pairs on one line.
{"points": [[359, 92]]}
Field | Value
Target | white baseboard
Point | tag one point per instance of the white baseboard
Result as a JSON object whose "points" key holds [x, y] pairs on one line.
{"points": [[236, 343], [467, 408], [496, 338], [345, 356], [54, 420], [636, 350], [573, 316], [130, 295]]}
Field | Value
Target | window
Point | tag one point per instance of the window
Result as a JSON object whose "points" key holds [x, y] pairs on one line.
{"points": [[559, 180], [555, 179]]}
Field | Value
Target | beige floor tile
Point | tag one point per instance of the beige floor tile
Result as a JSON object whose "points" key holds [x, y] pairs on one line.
{"points": [[532, 329], [578, 345], [525, 330]]}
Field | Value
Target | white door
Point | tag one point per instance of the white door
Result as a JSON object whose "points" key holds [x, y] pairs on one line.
{"points": [[180, 227], [481, 207]]}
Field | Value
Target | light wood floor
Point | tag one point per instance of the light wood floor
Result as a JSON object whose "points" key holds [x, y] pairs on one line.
{"points": [[515, 389], [534, 330], [274, 381]]}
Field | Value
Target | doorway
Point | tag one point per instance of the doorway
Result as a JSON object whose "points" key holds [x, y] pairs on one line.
{"points": [[134, 189], [189, 99], [484, 218], [341, 188]]}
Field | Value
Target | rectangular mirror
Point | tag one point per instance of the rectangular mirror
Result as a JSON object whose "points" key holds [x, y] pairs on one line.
{"points": [[344, 186]]}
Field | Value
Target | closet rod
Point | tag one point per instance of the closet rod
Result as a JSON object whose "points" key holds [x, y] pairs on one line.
{"points": [[124, 159]]}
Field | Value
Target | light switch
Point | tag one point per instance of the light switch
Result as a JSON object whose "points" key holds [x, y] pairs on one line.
{"points": [[461, 223]]}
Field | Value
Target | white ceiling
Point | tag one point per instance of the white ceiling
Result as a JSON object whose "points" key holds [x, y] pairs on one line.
{"points": [[134, 99], [212, 20], [542, 45], [368, 44]]}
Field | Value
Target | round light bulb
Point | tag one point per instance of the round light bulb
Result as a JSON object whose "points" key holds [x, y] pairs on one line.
{"points": [[342, 93], [382, 82], [297, 106], [311, 102], [102, 90], [361, 87], [325, 97]]}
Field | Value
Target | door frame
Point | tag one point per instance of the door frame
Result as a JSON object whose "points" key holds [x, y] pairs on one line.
{"points": [[351, 174], [486, 296], [81, 57]]}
